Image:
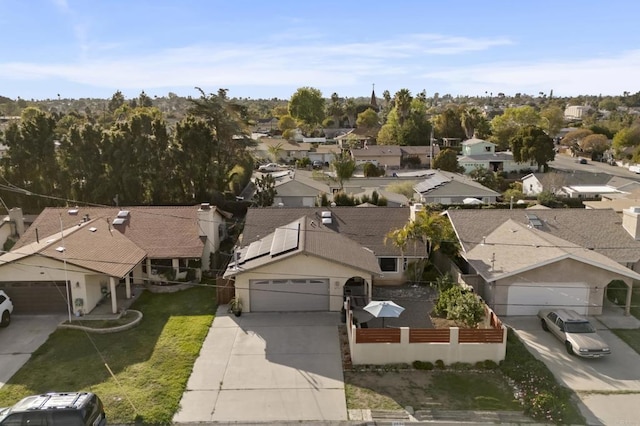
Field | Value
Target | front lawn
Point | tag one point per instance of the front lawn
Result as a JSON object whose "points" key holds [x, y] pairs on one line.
{"points": [[151, 362]]}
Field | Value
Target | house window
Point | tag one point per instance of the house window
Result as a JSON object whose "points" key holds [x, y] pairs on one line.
{"points": [[487, 148], [388, 264]]}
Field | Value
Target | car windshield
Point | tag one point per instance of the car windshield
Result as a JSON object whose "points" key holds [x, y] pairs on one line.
{"points": [[579, 327]]}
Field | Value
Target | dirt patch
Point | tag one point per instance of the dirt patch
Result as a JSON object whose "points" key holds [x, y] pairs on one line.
{"points": [[422, 390]]}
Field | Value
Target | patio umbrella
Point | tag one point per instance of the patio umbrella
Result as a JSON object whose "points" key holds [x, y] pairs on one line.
{"points": [[384, 309]]}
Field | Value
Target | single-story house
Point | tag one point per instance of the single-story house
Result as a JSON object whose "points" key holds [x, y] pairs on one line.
{"points": [[480, 153], [381, 155], [521, 261], [555, 181], [422, 155], [341, 231], [295, 190], [95, 249], [357, 138], [324, 153], [287, 150], [301, 266], [617, 202], [442, 187]]}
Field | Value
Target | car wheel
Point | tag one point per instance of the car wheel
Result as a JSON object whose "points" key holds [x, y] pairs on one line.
{"points": [[545, 327], [569, 348], [6, 319]]}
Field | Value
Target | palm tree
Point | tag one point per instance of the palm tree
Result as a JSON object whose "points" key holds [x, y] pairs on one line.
{"points": [[403, 104], [469, 118], [275, 151]]}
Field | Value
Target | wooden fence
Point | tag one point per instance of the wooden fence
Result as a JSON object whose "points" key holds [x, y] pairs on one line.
{"points": [[225, 290], [378, 335]]}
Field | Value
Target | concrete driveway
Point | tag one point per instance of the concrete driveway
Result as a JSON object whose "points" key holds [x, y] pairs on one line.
{"points": [[25, 334], [267, 367], [608, 387]]}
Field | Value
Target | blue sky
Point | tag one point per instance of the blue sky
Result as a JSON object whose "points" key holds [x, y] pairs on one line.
{"points": [[267, 49]]}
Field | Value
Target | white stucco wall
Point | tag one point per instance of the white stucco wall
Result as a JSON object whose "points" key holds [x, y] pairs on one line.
{"points": [[302, 266], [405, 352]]}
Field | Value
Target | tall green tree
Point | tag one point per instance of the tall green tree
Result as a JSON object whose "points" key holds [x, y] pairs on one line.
{"points": [[447, 160], [343, 166], [506, 126], [402, 100], [335, 109], [552, 119], [470, 118], [532, 144], [307, 106], [31, 161], [448, 124], [265, 191], [368, 119], [227, 123]]}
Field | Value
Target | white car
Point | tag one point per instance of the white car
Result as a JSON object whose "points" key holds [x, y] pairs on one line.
{"points": [[271, 167], [6, 308], [575, 331]]}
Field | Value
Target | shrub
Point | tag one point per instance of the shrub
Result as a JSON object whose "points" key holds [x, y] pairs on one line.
{"points": [[303, 162], [440, 364], [617, 292], [423, 365], [371, 170]]}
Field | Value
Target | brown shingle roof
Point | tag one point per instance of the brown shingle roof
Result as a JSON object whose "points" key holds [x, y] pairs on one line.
{"points": [[599, 230], [161, 231], [317, 240], [367, 227]]}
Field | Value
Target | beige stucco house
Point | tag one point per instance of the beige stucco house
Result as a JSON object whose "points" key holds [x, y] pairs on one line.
{"points": [[74, 257], [522, 261], [330, 253]]}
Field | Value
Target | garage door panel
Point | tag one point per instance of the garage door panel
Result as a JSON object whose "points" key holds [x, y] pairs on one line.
{"points": [[529, 298], [289, 295], [36, 297]]}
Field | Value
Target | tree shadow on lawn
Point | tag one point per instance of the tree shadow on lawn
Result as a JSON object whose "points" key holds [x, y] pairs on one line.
{"points": [[169, 336]]}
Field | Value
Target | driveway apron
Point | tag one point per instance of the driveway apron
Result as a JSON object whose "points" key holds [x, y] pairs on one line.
{"points": [[608, 387], [21, 338], [267, 367]]}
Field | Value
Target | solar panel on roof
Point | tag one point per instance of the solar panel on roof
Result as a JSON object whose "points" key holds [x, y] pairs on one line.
{"points": [[285, 239], [119, 221]]}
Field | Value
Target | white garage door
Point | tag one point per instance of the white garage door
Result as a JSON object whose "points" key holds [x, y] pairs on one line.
{"points": [[529, 298], [289, 295]]}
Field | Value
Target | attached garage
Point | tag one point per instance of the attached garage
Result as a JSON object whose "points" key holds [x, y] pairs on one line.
{"points": [[37, 297], [289, 295], [529, 298]]}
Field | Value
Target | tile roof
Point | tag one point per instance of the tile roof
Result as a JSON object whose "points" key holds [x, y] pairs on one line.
{"points": [[512, 248], [312, 238], [600, 230], [92, 245], [367, 227], [161, 231]]}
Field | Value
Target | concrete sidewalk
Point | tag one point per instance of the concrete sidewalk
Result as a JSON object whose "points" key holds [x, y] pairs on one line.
{"points": [[267, 367]]}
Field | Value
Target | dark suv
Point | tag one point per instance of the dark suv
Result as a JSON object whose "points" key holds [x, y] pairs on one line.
{"points": [[56, 409]]}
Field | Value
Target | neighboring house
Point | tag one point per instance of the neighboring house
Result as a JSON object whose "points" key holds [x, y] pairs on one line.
{"points": [[366, 227], [301, 266], [553, 181], [288, 151], [576, 112], [380, 155], [616, 202], [521, 261], [480, 153], [295, 190], [357, 138], [443, 187], [587, 191], [324, 153], [421, 156], [97, 248]]}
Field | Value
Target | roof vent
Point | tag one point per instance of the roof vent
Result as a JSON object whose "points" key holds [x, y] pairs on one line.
{"points": [[93, 229], [60, 249], [73, 211], [205, 206], [123, 214]]}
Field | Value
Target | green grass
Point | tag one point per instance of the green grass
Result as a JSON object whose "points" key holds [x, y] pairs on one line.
{"points": [[475, 391], [151, 362]]}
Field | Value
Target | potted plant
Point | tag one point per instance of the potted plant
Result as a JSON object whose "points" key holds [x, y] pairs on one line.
{"points": [[235, 305]]}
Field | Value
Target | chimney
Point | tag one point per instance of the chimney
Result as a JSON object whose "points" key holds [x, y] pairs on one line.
{"points": [[208, 228], [415, 209], [630, 221], [17, 220]]}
